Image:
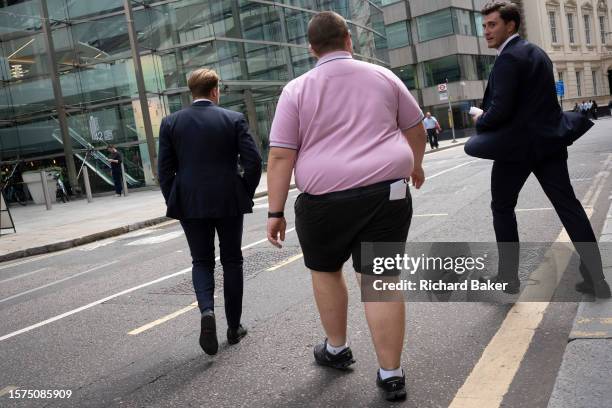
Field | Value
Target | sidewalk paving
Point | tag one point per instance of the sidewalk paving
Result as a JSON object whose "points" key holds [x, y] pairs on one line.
{"points": [[585, 376], [77, 223]]}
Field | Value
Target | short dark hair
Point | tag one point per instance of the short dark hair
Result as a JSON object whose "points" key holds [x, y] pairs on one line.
{"points": [[327, 31], [508, 11], [202, 81]]}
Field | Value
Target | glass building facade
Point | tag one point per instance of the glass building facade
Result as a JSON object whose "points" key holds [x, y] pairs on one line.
{"points": [[255, 46]]}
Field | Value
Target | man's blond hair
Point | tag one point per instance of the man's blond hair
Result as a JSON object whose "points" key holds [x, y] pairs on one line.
{"points": [[202, 81]]}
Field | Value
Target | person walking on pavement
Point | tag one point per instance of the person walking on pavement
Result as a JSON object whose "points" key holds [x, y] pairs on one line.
{"points": [[523, 72], [352, 132], [200, 148], [594, 109], [432, 127], [115, 160]]}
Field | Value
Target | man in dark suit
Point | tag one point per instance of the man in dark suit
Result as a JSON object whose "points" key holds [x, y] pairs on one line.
{"points": [[522, 111], [200, 149]]}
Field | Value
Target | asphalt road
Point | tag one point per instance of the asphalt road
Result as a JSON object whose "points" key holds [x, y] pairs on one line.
{"points": [[66, 318]]}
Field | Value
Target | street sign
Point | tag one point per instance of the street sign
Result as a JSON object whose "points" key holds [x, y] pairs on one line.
{"points": [[560, 88], [443, 92]]}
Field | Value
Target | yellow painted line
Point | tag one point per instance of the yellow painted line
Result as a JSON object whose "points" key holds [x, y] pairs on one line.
{"points": [[534, 209], [8, 389], [494, 372], [583, 334], [600, 320], [163, 319], [285, 262]]}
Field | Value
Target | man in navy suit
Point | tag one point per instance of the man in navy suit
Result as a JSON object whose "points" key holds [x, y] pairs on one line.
{"points": [[522, 112], [200, 150]]}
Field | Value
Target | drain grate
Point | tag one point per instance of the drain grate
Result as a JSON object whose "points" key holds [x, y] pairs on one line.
{"points": [[255, 261]]}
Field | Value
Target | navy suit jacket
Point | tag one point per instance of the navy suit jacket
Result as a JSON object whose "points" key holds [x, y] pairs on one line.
{"points": [[522, 118], [200, 149]]}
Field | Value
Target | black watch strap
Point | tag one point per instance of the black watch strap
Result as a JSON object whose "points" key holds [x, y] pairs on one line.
{"points": [[279, 214]]}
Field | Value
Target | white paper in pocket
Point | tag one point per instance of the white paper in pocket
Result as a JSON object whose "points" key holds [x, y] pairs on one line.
{"points": [[398, 190]]}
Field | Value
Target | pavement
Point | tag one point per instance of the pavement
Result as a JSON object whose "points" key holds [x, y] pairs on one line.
{"points": [[585, 377], [78, 222]]}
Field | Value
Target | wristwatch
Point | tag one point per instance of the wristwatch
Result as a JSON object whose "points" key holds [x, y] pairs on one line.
{"points": [[279, 214]]}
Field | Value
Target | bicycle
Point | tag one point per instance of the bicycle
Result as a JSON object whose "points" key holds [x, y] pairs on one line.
{"points": [[61, 193], [13, 190]]}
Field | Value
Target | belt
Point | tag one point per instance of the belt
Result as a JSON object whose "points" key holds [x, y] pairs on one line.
{"points": [[380, 187]]}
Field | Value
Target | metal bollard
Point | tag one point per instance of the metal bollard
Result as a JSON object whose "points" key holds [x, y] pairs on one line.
{"points": [[87, 185], [45, 189], [123, 180]]}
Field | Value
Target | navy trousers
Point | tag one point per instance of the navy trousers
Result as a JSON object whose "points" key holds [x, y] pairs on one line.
{"points": [[200, 235], [117, 180], [507, 180]]}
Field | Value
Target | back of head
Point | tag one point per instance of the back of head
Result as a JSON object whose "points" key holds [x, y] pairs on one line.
{"points": [[202, 81], [327, 32], [508, 11]]}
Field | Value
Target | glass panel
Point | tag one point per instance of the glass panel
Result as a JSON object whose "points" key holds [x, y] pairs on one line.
{"points": [[462, 22], [435, 25], [407, 74], [439, 70], [398, 34]]}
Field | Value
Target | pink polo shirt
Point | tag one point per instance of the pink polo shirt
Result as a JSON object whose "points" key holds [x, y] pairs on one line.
{"points": [[345, 119]]}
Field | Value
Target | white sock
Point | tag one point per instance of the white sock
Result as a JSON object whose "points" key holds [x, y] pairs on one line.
{"points": [[384, 374], [335, 350]]}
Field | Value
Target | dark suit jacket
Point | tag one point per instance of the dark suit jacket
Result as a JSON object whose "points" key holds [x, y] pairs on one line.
{"points": [[522, 119], [200, 148]]}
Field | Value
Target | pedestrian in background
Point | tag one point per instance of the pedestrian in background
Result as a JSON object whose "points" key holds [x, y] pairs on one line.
{"points": [[116, 159], [432, 127], [523, 72], [200, 148], [594, 108], [353, 133]]}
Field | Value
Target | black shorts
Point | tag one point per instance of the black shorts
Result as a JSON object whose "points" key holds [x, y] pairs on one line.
{"points": [[331, 227]]}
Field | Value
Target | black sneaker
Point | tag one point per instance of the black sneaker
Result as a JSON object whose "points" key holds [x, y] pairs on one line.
{"points": [[341, 361], [208, 333], [235, 335], [394, 388]]}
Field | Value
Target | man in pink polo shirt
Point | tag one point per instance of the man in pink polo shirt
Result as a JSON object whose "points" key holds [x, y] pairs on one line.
{"points": [[353, 134]]}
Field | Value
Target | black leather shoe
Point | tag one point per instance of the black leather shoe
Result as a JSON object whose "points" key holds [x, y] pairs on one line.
{"points": [[341, 361], [394, 388], [208, 333], [235, 335], [600, 290], [512, 288]]}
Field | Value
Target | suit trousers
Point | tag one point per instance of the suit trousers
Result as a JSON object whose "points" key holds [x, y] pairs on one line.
{"points": [[432, 135], [507, 180], [200, 235]]}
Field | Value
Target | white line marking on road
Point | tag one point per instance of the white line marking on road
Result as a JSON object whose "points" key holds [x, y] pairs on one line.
{"points": [[430, 215], [57, 282], [116, 295], [97, 245], [534, 209], [264, 198], [8, 389], [285, 262], [494, 372], [451, 169], [157, 239], [259, 206], [163, 319], [23, 275], [32, 259]]}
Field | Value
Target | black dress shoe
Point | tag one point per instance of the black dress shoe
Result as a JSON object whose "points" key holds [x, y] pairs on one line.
{"points": [[394, 388], [208, 333], [513, 286], [235, 335], [600, 290], [341, 361]]}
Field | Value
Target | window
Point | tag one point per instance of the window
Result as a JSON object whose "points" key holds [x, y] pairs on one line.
{"points": [[407, 74], [603, 27], [553, 26], [462, 22], [560, 75], [594, 82], [587, 28], [435, 25], [398, 34], [439, 70], [579, 83], [570, 28], [478, 24]]}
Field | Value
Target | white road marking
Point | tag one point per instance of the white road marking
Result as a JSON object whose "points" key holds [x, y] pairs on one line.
{"points": [[57, 282], [8, 389], [23, 275], [285, 262], [116, 295], [157, 239], [163, 319], [97, 245], [32, 259], [449, 170], [259, 206], [534, 209], [430, 215]]}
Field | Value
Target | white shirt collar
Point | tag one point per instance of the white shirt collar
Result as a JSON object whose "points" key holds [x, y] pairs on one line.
{"points": [[202, 99], [501, 48]]}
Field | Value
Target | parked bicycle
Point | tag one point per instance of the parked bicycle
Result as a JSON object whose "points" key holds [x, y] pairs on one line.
{"points": [[13, 190]]}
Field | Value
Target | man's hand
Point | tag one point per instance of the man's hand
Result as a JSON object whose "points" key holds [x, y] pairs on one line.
{"points": [[417, 177], [276, 231]]}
